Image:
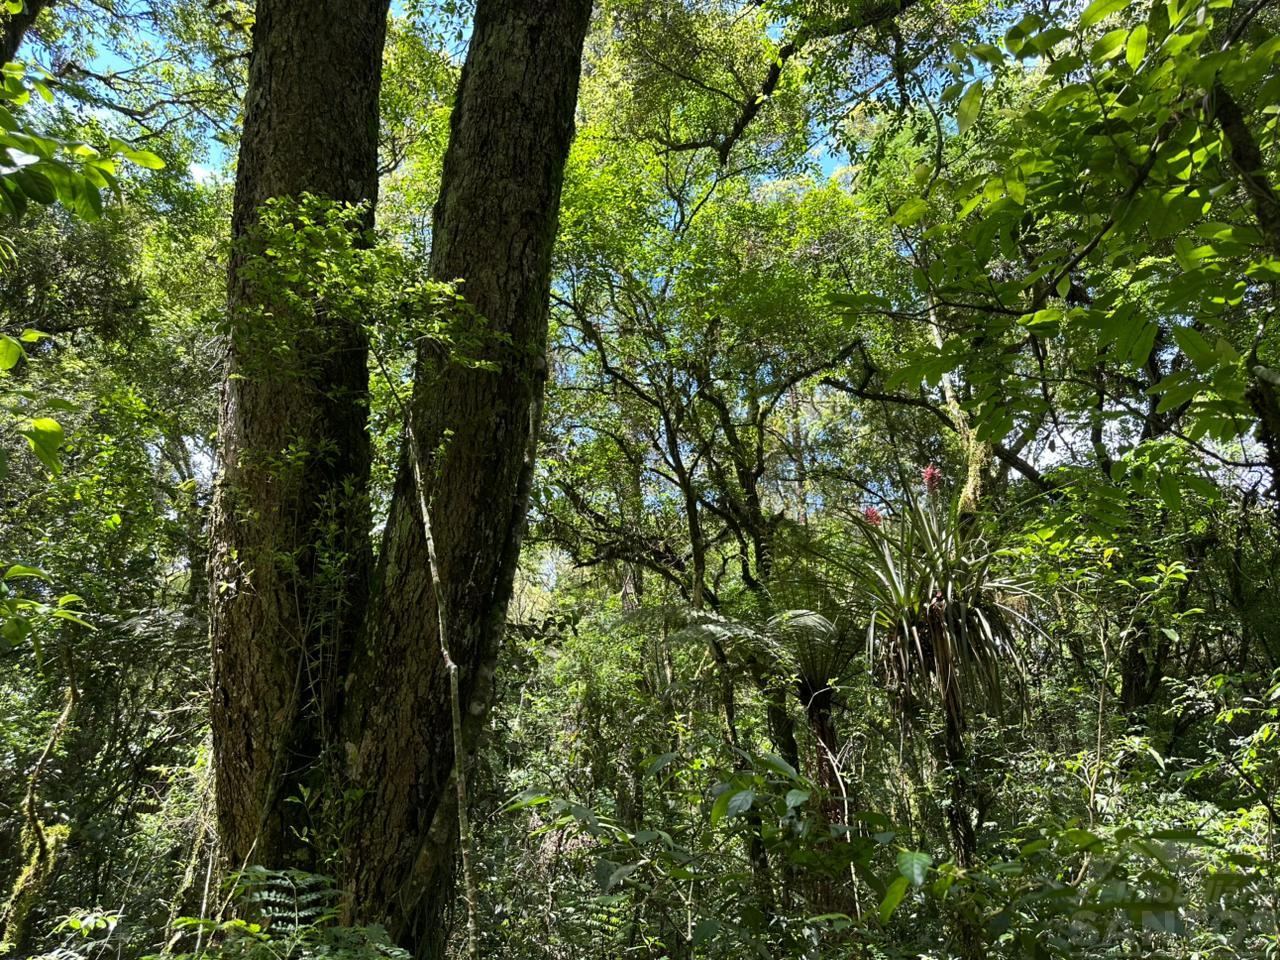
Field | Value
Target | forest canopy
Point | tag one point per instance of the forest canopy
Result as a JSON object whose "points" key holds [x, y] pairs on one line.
{"points": [[639, 478]]}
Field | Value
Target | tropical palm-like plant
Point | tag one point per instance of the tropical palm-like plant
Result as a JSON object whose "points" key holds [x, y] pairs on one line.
{"points": [[821, 654], [943, 624], [806, 651]]}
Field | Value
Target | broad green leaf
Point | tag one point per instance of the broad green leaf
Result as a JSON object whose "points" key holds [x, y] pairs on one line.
{"points": [[740, 802], [911, 212], [1099, 10], [1176, 394], [704, 931], [1170, 490], [892, 897], [1108, 46], [1082, 839], [530, 797], [720, 808], [1045, 323], [1191, 342], [21, 570], [73, 616], [37, 186], [914, 865], [660, 763], [780, 766], [14, 630], [10, 352], [45, 437], [620, 874], [1035, 846], [1135, 47], [969, 106]]}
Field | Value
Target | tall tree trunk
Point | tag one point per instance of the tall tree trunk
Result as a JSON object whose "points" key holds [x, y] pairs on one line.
{"points": [[290, 525], [494, 227], [1246, 156], [15, 27]]}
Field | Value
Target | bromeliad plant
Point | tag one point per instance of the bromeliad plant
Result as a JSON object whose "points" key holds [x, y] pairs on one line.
{"points": [[943, 624]]}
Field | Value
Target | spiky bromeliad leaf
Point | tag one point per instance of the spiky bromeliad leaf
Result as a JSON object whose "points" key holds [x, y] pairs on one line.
{"points": [[940, 608]]}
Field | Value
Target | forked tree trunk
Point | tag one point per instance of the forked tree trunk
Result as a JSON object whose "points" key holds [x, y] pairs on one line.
{"points": [[290, 522], [494, 226]]}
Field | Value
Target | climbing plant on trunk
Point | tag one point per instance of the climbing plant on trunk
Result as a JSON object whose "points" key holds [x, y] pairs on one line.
{"points": [[474, 426], [290, 521]]}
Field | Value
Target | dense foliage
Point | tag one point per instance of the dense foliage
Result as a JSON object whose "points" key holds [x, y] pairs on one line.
{"points": [[902, 575]]}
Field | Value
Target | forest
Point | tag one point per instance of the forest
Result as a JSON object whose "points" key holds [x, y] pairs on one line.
{"points": [[782, 479]]}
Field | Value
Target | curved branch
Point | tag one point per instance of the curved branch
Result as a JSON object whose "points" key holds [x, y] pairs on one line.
{"points": [[872, 13]]}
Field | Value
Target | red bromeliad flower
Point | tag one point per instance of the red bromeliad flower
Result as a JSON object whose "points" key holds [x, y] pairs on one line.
{"points": [[932, 479], [872, 516]]}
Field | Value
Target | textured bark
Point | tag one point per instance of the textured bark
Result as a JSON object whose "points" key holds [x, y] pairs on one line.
{"points": [[494, 227], [15, 27], [291, 558], [1246, 156]]}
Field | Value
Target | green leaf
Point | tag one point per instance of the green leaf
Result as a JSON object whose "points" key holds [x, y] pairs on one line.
{"points": [[1183, 836], [1045, 323], [780, 766], [1197, 349], [892, 897], [740, 802], [1099, 10], [1035, 846], [620, 874], [969, 106], [704, 931], [660, 763], [1135, 47], [73, 616], [10, 352], [14, 630], [731, 802], [530, 797], [911, 212], [1170, 491], [914, 865], [144, 158], [21, 570], [37, 186], [45, 437], [1108, 46], [1176, 393], [1082, 839]]}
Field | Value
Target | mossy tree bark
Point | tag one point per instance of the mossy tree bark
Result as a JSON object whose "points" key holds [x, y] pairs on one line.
{"points": [[494, 227], [291, 559]]}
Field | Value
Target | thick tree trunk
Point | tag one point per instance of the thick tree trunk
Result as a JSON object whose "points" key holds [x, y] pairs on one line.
{"points": [[290, 525], [1246, 156], [15, 27], [494, 226]]}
